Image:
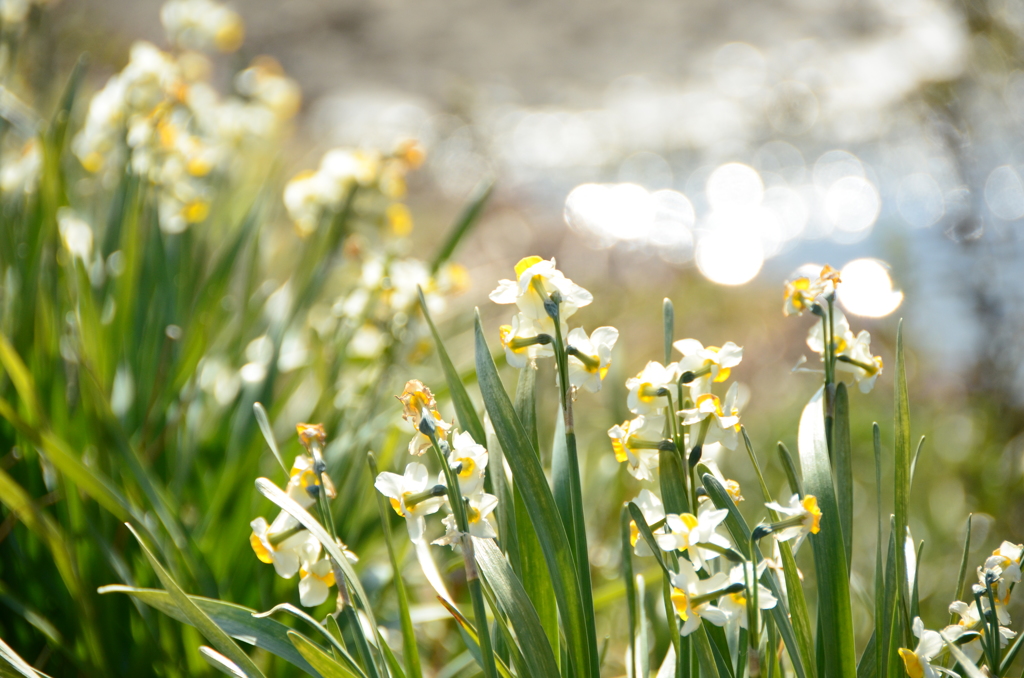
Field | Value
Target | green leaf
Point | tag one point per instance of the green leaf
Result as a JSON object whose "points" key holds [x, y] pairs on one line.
{"points": [[469, 216], [329, 630], [880, 637], [19, 665], [514, 603], [472, 640], [324, 663], [532, 570], [220, 662], [668, 317], [961, 578], [464, 408], [645, 531], [260, 413], [196, 617], [966, 665], [842, 452], [409, 649], [529, 478], [795, 631], [632, 669], [902, 452], [786, 457], [834, 612], [673, 484]]}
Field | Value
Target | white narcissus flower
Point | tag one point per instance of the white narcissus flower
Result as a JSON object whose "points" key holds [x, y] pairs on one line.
{"points": [[479, 507], [807, 284], [286, 554], [918, 662], [710, 364], [970, 620], [725, 417], [518, 340], [76, 234], [643, 395], [470, 458], [654, 512], [202, 24], [687, 532], [805, 515], [692, 597], [418, 402], [591, 357], [1007, 557], [636, 443], [534, 272], [864, 368], [735, 604], [400, 488]]}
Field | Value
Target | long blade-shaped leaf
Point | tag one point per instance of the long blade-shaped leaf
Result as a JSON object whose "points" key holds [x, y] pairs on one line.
{"points": [[532, 569], [237, 621], [842, 452], [529, 477], [513, 602], [14, 660], [324, 663], [196, 617], [464, 408], [901, 475], [834, 613], [467, 219]]}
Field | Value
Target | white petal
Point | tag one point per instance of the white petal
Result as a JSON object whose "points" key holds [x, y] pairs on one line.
{"points": [[312, 591]]}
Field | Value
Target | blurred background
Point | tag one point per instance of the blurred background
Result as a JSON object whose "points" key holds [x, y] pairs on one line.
{"points": [[702, 151]]}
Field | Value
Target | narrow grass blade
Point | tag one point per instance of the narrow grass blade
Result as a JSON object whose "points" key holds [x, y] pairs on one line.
{"points": [[842, 453], [834, 611], [220, 662], [237, 621], [966, 665], [514, 603], [329, 630], [468, 218], [961, 578], [880, 638], [645, 532], [529, 477], [206, 626], [324, 663], [632, 670], [472, 640], [786, 457], [668, 317], [410, 651], [901, 475], [263, 420], [19, 665], [464, 408]]}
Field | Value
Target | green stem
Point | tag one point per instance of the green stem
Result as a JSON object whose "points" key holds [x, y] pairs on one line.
{"points": [[455, 500]]}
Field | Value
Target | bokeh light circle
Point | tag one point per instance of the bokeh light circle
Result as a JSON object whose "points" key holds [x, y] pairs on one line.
{"points": [[866, 289]]}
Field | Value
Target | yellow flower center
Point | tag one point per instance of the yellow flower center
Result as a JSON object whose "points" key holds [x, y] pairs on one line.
{"points": [[733, 488], [619, 448], [399, 219], [262, 552], [810, 504], [912, 663], [525, 263], [468, 467], [473, 514], [682, 603], [327, 579], [397, 505], [634, 533]]}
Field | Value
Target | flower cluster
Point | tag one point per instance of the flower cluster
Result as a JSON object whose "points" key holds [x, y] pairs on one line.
{"points": [[285, 543], [842, 352], [162, 119], [315, 195], [978, 625], [546, 299], [413, 496], [705, 418]]}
